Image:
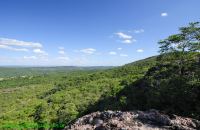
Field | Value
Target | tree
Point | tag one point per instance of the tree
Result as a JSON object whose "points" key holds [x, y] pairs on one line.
{"points": [[188, 40], [38, 116]]}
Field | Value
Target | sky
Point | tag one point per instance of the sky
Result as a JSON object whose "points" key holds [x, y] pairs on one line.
{"points": [[88, 32]]}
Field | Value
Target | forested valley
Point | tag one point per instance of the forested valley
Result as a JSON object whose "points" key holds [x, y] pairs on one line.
{"points": [[55, 98]]}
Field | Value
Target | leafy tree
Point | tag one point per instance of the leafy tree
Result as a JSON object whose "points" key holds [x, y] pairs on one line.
{"points": [[187, 40], [38, 116]]}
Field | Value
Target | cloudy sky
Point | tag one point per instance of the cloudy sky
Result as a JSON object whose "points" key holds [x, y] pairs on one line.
{"points": [[88, 32]]}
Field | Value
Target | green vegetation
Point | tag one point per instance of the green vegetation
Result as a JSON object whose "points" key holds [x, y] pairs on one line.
{"points": [[13, 72], [168, 82], [173, 83], [59, 98]]}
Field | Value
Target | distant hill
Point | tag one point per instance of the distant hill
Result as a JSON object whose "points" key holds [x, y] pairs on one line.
{"points": [[14, 71]]}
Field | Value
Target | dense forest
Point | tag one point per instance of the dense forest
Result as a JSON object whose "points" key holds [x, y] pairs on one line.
{"points": [[169, 82]]}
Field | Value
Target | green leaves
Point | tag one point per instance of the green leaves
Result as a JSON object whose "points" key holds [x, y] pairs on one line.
{"points": [[188, 39]]}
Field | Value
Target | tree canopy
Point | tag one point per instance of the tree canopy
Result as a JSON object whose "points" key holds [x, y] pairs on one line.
{"points": [[188, 39]]}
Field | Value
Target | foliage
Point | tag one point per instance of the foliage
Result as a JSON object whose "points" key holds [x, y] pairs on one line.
{"points": [[57, 96], [186, 40], [173, 84]]}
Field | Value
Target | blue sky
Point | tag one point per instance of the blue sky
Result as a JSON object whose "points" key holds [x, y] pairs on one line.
{"points": [[88, 32]]}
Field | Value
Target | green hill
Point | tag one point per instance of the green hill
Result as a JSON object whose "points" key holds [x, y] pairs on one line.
{"points": [[55, 100], [169, 82], [59, 98]]}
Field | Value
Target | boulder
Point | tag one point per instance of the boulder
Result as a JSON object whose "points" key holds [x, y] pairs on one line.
{"points": [[134, 120]]}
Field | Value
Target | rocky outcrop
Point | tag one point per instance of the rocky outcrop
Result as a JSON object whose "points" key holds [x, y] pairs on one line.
{"points": [[135, 120]]}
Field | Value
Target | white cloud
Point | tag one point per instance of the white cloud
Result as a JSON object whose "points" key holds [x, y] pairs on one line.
{"points": [[17, 45], [61, 48], [14, 42], [40, 52], [112, 53], [88, 50], [164, 14], [140, 50], [63, 58], [61, 52], [125, 38], [129, 41], [124, 55], [20, 49], [119, 48], [123, 35], [139, 31], [30, 57], [12, 48]]}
